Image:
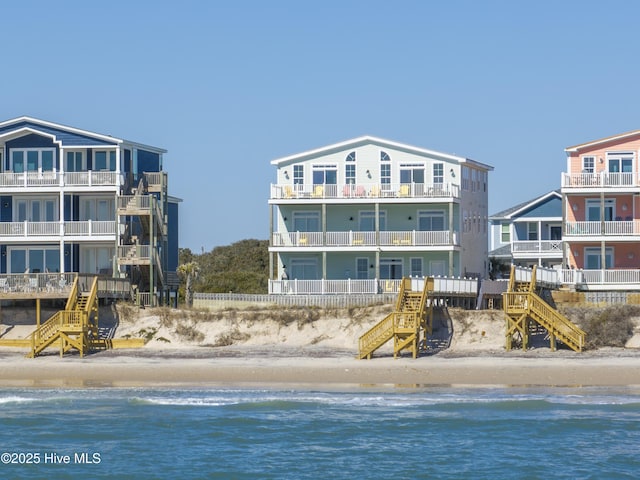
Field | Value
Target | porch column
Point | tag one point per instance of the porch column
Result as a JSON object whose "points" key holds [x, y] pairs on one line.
{"points": [[61, 217], [452, 243], [563, 232], [272, 274], [324, 265]]}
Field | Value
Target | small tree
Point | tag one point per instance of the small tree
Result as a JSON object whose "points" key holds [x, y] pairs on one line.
{"points": [[188, 271]]}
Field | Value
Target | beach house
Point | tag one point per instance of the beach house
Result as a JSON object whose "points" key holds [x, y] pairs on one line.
{"points": [[529, 233], [72, 200], [601, 204], [357, 216]]}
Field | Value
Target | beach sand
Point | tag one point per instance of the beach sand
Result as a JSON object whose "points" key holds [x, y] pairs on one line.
{"points": [[254, 348]]}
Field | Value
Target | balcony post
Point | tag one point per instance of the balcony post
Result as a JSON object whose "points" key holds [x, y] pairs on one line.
{"points": [[90, 228]]}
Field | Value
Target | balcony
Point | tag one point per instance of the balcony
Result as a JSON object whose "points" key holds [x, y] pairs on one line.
{"points": [[537, 247], [600, 180], [10, 180], [27, 230], [410, 238], [366, 191], [618, 279], [617, 228]]}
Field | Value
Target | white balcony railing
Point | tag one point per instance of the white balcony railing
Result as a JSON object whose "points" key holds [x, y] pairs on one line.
{"points": [[369, 190], [617, 227], [537, 246], [629, 278], [600, 179], [350, 238], [58, 179], [442, 285], [134, 252], [86, 228]]}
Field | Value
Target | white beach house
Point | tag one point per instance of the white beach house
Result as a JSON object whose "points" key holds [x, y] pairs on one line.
{"points": [[357, 216]]}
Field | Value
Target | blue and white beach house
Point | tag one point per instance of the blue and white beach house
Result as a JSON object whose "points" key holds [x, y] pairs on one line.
{"points": [[357, 216], [78, 201]]}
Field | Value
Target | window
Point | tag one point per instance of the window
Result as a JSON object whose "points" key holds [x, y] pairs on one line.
{"points": [[32, 160], [620, 162], [593, 210], [390, 268], [385, 171], [35, 210], [362, 268], [304, 269], [75, 162], [104, 160], [416, 267], [438, 173], [306, 221], [588, 164], [532, 231], [385, 176], [99, 209], [411, 173], [505, 233], [366, 222], [431, 221], [298, 174], [593, 258], [35, 259], [350, 169], [96, 259], [325, 174], [555, 233]]}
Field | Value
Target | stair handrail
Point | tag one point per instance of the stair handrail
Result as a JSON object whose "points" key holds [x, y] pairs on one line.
{"points": [[73, 296], [370, 340], [562, 326]]}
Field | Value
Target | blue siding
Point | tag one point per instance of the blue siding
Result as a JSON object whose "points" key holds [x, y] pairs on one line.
{"points": [[148, 162], [552, 207], [172, 254], [64, 136], [6, 209]]}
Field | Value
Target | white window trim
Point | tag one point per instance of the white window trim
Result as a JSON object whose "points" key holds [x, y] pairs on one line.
{"points": [[39, 150]]}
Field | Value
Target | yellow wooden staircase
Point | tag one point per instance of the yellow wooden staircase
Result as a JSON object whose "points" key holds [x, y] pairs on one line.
{"points": [[411, 319], [74, 327], [521, 305]]}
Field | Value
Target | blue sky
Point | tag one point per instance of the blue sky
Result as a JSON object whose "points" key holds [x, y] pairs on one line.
{"points": [[227, 86]]}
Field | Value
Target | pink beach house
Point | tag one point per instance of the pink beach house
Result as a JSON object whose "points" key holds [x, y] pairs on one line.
{"points": [[601, 211]]}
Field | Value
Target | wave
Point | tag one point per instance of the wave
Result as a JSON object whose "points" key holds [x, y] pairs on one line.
{"points": [[284, 399]]}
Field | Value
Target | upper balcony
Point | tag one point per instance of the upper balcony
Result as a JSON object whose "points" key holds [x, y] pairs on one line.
{"points": [[55, 180], [52, 231], [545, 248], [599, 180], [446, 191], [411, 238], [591, 230]]}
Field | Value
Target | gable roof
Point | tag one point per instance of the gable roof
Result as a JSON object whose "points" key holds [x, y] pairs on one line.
{"points": [[65, 135], [368, 139], [519, 208], [593, 143]]}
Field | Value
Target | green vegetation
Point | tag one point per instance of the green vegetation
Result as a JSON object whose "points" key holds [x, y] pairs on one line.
{"points": [[242, 267], [610, 326]]}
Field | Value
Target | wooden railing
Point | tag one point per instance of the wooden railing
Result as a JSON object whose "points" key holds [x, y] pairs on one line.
{"points": [[531, 304], [376, 336]]}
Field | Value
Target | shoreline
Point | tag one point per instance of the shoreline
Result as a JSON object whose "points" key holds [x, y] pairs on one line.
{"points": [[326, 369]]}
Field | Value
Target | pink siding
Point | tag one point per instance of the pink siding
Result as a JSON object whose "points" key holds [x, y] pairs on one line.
{"points": [[600, 152]]}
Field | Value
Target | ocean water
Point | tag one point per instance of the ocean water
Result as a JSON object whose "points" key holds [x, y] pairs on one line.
{"points": [[496, 433]]}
